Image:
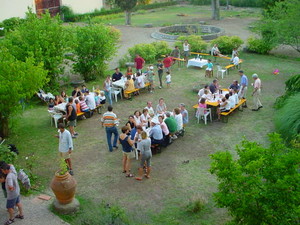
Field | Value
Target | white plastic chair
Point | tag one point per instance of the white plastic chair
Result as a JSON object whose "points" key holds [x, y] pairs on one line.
{"points": [[220, 70], [115, 92], [201, 115], [55, 117]]}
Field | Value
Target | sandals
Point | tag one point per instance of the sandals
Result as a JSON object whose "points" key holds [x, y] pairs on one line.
{"points": [[147, 176], [138, 178], [19, 216], [9, 222], [129, 175]]}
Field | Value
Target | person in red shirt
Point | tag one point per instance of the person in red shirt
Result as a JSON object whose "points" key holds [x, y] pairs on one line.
{"points": [[168, 63], [139, 63]]}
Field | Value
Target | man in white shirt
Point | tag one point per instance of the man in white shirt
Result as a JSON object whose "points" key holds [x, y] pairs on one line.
{"points": [[256, 93], [90, 100], [186, 50], [65, 146], [236, 61], [201, 91]]}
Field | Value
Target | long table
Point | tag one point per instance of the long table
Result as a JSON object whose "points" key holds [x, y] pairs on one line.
{"points": [[197, 62]]}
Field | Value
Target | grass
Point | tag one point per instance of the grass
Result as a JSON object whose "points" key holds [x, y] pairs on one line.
{"points": [[168, 15], [163, 198]]}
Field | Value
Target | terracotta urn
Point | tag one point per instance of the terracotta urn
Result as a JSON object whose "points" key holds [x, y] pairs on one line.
{"points": [[64, 187]]}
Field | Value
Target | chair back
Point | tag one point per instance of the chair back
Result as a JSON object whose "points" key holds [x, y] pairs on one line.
{"points": [[219, 68], [200, 111]]}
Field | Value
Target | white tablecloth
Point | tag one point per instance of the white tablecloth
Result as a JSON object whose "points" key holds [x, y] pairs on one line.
{"points": [[60, 107], [197, 62]]}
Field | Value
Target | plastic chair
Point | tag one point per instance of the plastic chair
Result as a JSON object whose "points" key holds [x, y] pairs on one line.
{"points": [[115, 92], [220, 70], [55, 117], [201, 115]]}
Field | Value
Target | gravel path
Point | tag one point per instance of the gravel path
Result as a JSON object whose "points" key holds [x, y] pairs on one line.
{"points": [[36, 212]]}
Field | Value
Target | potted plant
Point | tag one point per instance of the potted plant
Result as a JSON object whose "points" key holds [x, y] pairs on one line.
{"points": [[63, 184]]}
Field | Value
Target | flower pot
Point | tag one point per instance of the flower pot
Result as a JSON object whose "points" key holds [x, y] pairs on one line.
{"points": [[64, 187]]}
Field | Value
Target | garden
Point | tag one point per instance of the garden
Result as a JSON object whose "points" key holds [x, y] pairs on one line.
{"points": [[217, 173]]}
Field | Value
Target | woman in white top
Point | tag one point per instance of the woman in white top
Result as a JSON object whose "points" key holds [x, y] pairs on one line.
{"points": [[224, 107], [186, 50], [137, 118], [145, 117], [161, 108], [236, 60], [178, 118]]}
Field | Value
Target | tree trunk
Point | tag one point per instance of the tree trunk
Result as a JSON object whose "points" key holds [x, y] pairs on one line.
{"points": [[127, 17], [3, 126], [215, 5], [227, 4]]}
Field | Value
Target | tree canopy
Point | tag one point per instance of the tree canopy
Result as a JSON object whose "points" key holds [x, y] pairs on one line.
{"points": [[127, 6]]}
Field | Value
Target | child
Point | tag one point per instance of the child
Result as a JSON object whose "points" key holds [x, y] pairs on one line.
{"points": [[224, 107], [168, 79], [78, 110], [209, 69], [201, 104], [83, 105], [97, 90], [102, 98], [151, 78], [97, 98], [51, 104]]}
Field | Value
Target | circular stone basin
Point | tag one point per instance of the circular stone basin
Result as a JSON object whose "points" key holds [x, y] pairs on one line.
{"points": [[207, 32]]}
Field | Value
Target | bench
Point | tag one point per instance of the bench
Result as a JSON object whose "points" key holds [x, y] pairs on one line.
{"points": [[237, 106], [129, 93], [199, 53], [233, 66], [98, 108]]}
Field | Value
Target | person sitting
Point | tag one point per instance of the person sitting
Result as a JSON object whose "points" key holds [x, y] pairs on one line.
{"points": [[201, 104], [171, 124], [207, 95], [236, 96], [150, 109], [129, 71], [51, 104], [76, 92], [78, 108], [131, 122], [102, 98], [83, 105], [161, 108], [145, 117], [236, 61], [213, 87], [90, 100], [156, 133], [140, 80], [201, 91], [117, 75], [215, 51], [129, 86], [165, 130], [63, 96], [97, 90], [231, 99], [224, 107], [97, 98], [234, 86], [137, 118], [178, 117], [57, 100], [209, 69], [84, 89]]}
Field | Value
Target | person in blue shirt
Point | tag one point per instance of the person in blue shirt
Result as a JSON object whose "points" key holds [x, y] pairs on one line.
{"points": [[156, 133], [243, 86]]}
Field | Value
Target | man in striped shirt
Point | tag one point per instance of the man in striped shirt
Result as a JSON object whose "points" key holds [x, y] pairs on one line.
{"points": [[109, 121]]}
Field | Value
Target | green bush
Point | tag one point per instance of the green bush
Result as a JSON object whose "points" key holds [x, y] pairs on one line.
{"points": [[125, 59], [227, 43], [7, 155], [146, 51], [161, 48], [259, 185], [195, 41], [66, 12], [259, 46], [238, 3], [287, 119], [10, 24], [196, 206]]}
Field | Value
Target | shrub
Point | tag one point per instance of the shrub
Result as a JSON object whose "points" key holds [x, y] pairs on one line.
{"points": [[259, 46], [11, 23], [146, 51], [196, 205], [238, 3], [260, 185], [195, 41], [287, 118], [124, 60], [161, 48], [7, 155], [227, 43], [66, 12]]}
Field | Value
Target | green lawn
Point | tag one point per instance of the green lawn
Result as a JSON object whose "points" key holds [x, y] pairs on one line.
{"points": [[163, 198], [169, 15]]}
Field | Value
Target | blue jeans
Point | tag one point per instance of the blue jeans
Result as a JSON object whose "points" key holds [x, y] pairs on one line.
{"points": [[109, 132], [108, 97]]}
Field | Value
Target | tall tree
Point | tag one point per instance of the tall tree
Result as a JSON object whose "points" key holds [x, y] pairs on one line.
{"points": [[127, 6], [215, 6], [18, 80]]}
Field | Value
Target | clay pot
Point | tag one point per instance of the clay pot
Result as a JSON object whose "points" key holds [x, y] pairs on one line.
{"points": [[64, 187]]}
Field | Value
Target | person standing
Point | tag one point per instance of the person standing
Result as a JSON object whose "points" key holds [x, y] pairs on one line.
{"points": [[109, 120], [243, 89], [71, 117], [256, 93], [65, 146], [107, 89], [175, 54], [127, 143], [13, 192], [139, 63], [185, 114], [186, 50], [167, 63], [160, 71]]}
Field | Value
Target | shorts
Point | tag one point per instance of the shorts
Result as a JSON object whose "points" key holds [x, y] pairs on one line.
{"points": [[168, 82], [127, 154], [11, 203], [72, 123], [146, 158], [65, 155], [186, 53]]}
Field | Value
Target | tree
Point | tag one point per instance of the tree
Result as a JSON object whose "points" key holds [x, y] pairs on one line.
{"points": [[281, 24], [95, 45], [215, 6], [18, 80], [43, 39], [127, 6], [261, 186]]}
